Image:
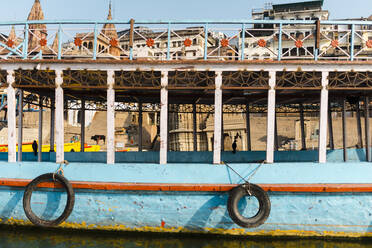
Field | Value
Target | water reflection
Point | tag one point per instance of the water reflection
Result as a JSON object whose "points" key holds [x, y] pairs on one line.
{"points": [[28, 238]]}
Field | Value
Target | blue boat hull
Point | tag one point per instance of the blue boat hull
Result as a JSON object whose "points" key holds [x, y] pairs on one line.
{"points": [[346, 214]]}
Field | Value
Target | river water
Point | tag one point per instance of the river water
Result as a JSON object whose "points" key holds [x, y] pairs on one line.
{"points": [[40, 238]]}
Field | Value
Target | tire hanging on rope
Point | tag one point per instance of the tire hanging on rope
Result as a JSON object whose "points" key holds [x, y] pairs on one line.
{"points": [[251, 190], [32, 186]]}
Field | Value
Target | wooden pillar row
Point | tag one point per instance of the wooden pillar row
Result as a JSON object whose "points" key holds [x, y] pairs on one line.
{"points": [[323, 119], [164, 118], [59, 117], [110, 117], [11, 111], [217, 118], [271, 118]]}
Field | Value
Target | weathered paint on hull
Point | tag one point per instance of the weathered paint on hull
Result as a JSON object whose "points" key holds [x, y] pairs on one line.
{"points": [[294, 214]]}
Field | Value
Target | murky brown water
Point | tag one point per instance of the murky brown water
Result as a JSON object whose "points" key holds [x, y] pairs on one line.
{"points": [[30, 238]]}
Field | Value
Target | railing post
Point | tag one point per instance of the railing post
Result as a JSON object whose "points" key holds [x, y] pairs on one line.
{"points": [[206, 41], [131, 39], [60, 41], [95, 41], [243, 42], [164, 118], [280, 42], [59, 117], [352, 42], [11, 102], [169, 41], [323, 119], [25, 42], [110, 117], [271, 119], [217, 119]]}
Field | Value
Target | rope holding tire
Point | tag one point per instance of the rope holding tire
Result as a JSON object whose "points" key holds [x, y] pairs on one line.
{"points": [[252, 190], [32, 186]]}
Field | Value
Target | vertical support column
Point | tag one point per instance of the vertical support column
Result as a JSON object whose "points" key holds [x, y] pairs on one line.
{"points": [[222, 132], [330, 127], [82, 126], [217, 119], [248, 127], [168, 41], [323, 119], [52, 123], [40, 138], [59, 56], [60, 155], [302, 123], [352, 42], [242, 48], [95, 41], [280, 41], [194, 127], [276, 144], [359, 126], [164, 118], [206, 41], [366, 119], [110, 117], [20, 125], [271, 118], [140, 127], [344, 134], [11, 102]]}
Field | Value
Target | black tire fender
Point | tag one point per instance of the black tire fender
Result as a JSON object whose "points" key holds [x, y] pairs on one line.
{"points": [[49, 177], [264, 205]]}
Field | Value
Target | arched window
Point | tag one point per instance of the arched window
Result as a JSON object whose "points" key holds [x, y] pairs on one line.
{"points": [[90, 45]]}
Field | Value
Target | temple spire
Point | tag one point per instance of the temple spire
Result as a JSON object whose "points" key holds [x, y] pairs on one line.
{"points": [[36, 31], [109, 17]]}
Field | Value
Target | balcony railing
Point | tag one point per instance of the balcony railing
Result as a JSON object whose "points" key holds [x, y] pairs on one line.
{"points": [[187, 40]]}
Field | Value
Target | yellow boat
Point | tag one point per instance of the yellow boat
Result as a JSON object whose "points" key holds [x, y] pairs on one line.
{"points": [[68, 147]]}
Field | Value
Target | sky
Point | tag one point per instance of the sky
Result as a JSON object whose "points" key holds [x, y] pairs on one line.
{"points": [[167, 9]]}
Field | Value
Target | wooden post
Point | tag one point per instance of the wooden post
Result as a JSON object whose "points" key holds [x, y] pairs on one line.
{"points": [[82, 126], [40, 141], [276, 134], [11, 102], [59, 118], [271, 118], [323, 119], [344, 134], [164, 118], [248, 127], [110, 117], [359, 126], [194, 127], [222, 130], [140, 127], [330, 128], [366, 119], [217, 118], [20, 125], [302, 123], [52, 123]]}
